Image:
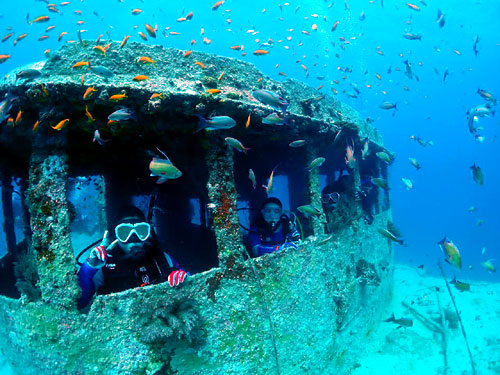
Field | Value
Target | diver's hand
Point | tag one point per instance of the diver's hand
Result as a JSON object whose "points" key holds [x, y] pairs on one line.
{"points": [[360, 195], [97, 257], [176, 277], [287, 245]]}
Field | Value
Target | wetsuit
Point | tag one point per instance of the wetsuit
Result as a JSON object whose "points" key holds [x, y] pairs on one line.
{"points": [[118, 275], [270, 241]]}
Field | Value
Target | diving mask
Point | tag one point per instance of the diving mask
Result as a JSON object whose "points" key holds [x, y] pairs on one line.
{"points": [[124, 231], [332, 198]]}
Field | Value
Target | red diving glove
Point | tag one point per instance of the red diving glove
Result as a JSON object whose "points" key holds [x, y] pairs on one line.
{"points": [[176, 277]]}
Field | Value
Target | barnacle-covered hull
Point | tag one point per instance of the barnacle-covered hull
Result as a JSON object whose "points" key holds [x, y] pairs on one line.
{"points": [[299, 311]]}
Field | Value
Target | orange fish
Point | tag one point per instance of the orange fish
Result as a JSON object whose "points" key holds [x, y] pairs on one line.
{"points": [[202, 31], [141, 34], [43, 37], [213, 91], [193, 42], [303, 67], [78, 12], [51, 27], [100, 50], [82, 79], [260, 79], [10, 122], [4, 58], [378, 76], [140, 77], [61, 36], [137, 11], [188, 53], [174, 33], [80, 22], [89, 116], [6, 37], [156, 95], [182, 19], [335, 25], [61, 124], [46, 53], [21, 37], [413, 6], [217, 5], [189, 16], [236, 48], [282, 74], [118, 97], [40, 19], [247, 124], [44, 90], [200, 64], [145, 59], [18, 117], [207, 41], [35, 127], [221, 75], [124, 41], [65, 3], [260, 52], [151, 31], [89, 92], [314, 27]]}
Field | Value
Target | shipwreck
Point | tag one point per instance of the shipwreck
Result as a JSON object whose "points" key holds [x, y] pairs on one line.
{"points": [[300, 311]]}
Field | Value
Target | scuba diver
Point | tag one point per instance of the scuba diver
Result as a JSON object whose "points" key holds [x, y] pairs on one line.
{"points": [[272, 230], [131, 260]]}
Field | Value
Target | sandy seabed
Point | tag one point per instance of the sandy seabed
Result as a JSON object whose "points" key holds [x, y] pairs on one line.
{"points": [[418, 350]]}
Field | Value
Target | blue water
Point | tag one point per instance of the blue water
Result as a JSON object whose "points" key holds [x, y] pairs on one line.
{"points": [[430, 107]]}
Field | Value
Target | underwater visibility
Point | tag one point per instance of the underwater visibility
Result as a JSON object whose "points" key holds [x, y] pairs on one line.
{"points": [[303, 187]]}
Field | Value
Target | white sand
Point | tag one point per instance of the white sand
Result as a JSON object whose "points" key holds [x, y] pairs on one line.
{"points": [[417, 350]]}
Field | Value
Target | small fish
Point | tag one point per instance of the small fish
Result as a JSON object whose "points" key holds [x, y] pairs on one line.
{"points": [[215, 123], [365, 151], [483, 111], [271, 99], [414, 162], [145, 59], [309, 210], [117, 97], [389, 105], [440, 18], [411, 36], [349, 158], [401, 322], [164, 169], [316, 163], [122, 114], [140, 78], [479, 222], [101, 71], [487, 96], [477, 174], [488, 266], [451, 252], [41, 19], [389, 235], [472, 209], [380, 182], [89, 92], [274, 119], [80, 64], [137, 11], [98, 139], [213, 91], [474, 46], [413, 6], [247, 124], [60, 125], [217, 5], [151, 31], [35, 127], [251, 176], [260, 52], [460, 285], [28, 74], [407, 183], [124, 41], [89, 116], [99, 50], [4, 58], [297, 143], [385, 157], [237, 145], [200, 64], [270, 185]]}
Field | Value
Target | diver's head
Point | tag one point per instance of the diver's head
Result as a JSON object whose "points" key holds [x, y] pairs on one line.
{"points": [[271, 211], [133, 232], [330, 197]]}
